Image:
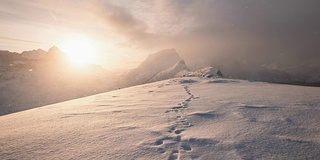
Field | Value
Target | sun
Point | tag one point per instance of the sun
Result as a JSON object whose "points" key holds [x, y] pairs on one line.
{"points": [[79, 50]]}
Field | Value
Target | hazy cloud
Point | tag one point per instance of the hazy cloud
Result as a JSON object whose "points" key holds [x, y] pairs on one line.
{"points": [[215, 31], [259, 31]]}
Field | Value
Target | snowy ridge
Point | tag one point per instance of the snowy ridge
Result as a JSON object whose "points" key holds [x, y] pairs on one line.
{"points": [[154, 64], [181, 118], [179, 69], [208, 72], [171, 72]]}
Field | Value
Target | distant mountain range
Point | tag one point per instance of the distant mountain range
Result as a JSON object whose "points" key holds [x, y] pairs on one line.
{"points": [[167, 64], [163, 65], [34, 54], [36, 78]]}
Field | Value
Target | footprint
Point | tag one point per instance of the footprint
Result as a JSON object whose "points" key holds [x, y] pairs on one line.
{"points": [[186, 147], [161, 150], [187, 124], [177, 131], [172, 129], [159, 142], [171, 110], [178, 139], [177, 107], [174, 155]]}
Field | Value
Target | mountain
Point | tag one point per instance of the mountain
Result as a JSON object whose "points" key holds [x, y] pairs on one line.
{"points": [[182, 118], [57, 56], [53, 79], [164, 65], [34, 54], [7, 57], [151, 66], [208, 72], [179, 68], [252, 72], [28, 81]]}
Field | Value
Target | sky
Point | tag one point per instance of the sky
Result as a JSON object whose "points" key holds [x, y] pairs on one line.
{"points": [[285, 32]]}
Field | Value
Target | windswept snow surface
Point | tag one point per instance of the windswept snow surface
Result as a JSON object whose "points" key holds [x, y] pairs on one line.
{"points": [[183, 118]]}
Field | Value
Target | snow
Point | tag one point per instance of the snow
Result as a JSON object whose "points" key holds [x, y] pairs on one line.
{"points": [[26, 88], [179, 68], [181, 118], [151, 66], [209, 72]]}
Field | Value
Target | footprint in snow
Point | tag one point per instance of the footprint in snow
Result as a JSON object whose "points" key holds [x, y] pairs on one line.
{"points": [[178, 131], [186, 147], [159, 142]]}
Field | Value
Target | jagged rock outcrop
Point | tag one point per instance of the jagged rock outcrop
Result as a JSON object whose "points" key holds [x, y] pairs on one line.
{"points": [[154, 64], [164, 65], [179, 68], [208, 72]]}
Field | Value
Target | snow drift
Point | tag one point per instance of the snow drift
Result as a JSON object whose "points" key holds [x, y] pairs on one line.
{"points": [[182, 118]]}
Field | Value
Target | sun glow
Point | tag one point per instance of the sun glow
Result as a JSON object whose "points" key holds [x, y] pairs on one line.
{"points": [[79, 50]]}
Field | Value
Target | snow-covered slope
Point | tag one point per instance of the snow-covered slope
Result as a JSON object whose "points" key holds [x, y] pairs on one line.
{"points": [[23, 89], [179, 67], [183, 118], [28, 81]]}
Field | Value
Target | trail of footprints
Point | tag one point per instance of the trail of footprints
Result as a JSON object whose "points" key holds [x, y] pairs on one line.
{"points": [[172, 143], [185, 103], [175, 146]]}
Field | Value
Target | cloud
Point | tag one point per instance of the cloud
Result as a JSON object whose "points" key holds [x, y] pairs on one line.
{"points": [[284, 32], [119, 21], [265, 31]]}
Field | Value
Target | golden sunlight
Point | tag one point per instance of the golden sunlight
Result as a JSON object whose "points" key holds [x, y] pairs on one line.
{"points": [[79, 50]]}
